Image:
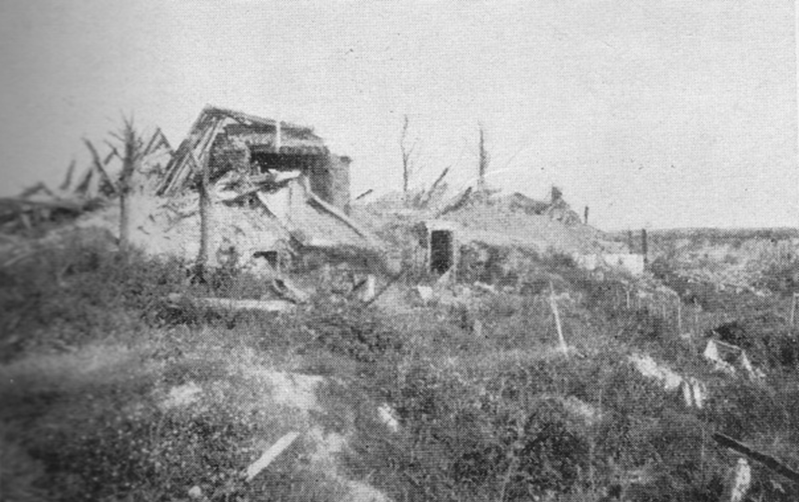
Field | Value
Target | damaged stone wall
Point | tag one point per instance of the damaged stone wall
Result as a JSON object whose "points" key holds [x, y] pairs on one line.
{"points": [[329, 175], [330, 180]]}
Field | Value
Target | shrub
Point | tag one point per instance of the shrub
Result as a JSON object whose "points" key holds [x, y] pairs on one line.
{"points": [[352, 330]]}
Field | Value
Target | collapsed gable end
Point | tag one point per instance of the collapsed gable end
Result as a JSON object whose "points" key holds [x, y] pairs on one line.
{"points": [[234, 141]]}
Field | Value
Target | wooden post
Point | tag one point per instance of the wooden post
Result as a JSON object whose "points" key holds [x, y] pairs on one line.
{"points": [[482, 165], [679, 316], [554, 305], [269, 455], [644, 246], [278, 139], [767, 460], [206, 214], [793, 308]]}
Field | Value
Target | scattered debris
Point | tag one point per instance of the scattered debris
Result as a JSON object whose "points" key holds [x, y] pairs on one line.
{"points": [[767, 460], [425, 293], [726, 357], [693, 391], [195, 492], [389, 417], [286, 289], [366, 288], [633, 264], [269, 455], [579, 408], [648, 367], [182, 396], [738, 482], [487, 288], [292, 389], [554, 305]]}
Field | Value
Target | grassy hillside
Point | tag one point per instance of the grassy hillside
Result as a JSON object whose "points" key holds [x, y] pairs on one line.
{"points": [[109, 392]]}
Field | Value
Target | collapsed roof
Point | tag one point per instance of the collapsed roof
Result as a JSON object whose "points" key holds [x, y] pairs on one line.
{"points": [[255, 134]]}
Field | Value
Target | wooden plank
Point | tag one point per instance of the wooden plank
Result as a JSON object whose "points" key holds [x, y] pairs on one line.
{"points": [[270, 455], [767, 460]]}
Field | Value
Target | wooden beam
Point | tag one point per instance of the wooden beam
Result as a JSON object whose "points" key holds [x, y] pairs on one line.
{"points": [[270, 455], [767, 460]]}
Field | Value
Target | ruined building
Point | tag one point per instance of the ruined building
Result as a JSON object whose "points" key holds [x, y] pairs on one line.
{"points": [[235, 141], [278, 193]]}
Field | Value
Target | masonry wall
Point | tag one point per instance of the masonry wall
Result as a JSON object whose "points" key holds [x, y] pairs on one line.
{"points": [[339, 191], [329, 175], [330, 180]]}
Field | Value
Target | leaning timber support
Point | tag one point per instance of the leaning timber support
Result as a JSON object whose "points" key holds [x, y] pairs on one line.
{"points": [[767, 460]]}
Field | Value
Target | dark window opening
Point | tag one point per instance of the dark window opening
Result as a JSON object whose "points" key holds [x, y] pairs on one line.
{"points": [[263, 161], [271, 257], [441, 251]]}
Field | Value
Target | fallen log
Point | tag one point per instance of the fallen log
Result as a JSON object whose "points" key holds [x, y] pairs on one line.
{"points": [[234, 305], [767, 460]]}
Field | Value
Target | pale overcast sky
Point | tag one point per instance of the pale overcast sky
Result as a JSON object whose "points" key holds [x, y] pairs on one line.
{"points": [[657, 113]]}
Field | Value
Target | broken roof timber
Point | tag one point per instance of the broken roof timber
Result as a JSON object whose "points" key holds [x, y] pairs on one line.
{"points": [[259, 134], [157, 140]]}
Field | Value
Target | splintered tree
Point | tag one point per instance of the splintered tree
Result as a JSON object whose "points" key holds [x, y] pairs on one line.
{"points": [[407, 152], [483, 160], [132, 146]]}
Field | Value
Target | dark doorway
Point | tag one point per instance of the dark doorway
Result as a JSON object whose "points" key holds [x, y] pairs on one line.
{"points": [[271, 257], [440, 251], [269, 161]]}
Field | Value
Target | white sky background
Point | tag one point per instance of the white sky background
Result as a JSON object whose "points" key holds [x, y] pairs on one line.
{"points": [[656, 114]]}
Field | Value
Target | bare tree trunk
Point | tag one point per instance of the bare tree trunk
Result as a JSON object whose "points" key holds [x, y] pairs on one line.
{"points": [[406, 159], [124, 203], [124, 221], [129, 160], [482, 166]]}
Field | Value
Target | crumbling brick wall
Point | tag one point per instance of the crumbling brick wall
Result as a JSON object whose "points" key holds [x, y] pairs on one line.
{"points": [[330, 180], [339, 191]]}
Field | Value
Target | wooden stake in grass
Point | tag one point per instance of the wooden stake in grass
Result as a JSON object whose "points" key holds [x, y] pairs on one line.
{"points": [[270, 454], [554, 305], [793, 308]]}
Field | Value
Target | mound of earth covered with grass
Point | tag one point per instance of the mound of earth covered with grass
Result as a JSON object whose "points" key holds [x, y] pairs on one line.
{"points": [[460, 392]]}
